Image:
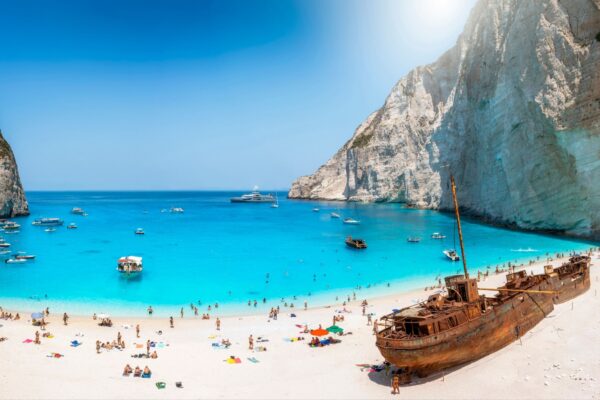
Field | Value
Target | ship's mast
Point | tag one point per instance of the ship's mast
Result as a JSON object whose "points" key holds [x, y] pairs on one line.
{"points": [[460, 238]]}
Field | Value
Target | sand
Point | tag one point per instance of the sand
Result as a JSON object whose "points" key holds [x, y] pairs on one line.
{"points": [[559, 358]]}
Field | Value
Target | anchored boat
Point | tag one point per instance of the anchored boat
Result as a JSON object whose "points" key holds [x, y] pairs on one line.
{"points": [[130, 265], [254, 197], [356, 243], [48, 222]]}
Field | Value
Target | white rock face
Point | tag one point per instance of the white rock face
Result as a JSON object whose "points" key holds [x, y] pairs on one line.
{"points": [[12, 196], [512, 110]]}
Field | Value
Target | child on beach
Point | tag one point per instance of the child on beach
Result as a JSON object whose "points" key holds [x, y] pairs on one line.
{"points": [[395, 384]]}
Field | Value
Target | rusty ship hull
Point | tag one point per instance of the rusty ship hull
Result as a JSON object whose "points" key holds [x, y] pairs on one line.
{"points": [[571, 279], [491, 331]]}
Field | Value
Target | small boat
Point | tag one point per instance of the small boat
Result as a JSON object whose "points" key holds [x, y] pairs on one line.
{"points": [[130, 265], [177, 210], [413, 239], [48, 222], [254, 197], [356, 243], [25, 257], [72, 225], [316, 209], [4, 245], [451, 254], [78, 211], [50, 230], [15, 261], [3, 252], [10, 226], [335, 215], [139, 231], [351, 221], [437, 235]]}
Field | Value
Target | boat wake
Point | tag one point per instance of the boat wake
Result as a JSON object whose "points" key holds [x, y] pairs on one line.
{"points": [[527, 250]]}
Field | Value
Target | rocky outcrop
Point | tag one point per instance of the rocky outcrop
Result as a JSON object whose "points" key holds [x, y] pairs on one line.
{"points": [[512, 111], [12, 196]]}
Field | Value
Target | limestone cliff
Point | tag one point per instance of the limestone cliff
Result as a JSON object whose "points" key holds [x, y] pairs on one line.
{"points": [[512, 110], [12, 196]]}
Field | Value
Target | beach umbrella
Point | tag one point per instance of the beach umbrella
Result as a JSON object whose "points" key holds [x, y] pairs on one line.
{"points": [[37, 315], [335, 329], [103, 316], [319, 332]]}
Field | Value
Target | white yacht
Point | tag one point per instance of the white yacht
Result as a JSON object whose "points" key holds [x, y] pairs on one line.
{"points": [[48, 222], [351, 221], [437, 235], [177, 210], [10, 226], [78, 211], [254, 197], [335, 215]]}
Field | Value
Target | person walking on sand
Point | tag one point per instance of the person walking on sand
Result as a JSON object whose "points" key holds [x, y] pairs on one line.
{"points": [[47, 312], [251, 343], [218, 322], [369, 320], [137, 331], [65, 319], [181, 312], [171, 321], [97, 347], [43, 324], [37, 337], [396, 384], [148, 347]]}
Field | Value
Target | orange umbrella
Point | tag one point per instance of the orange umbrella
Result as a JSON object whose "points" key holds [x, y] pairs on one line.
{"points": [[319, 332]]}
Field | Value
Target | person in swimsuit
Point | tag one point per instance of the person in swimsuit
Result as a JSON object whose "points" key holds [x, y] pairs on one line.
{"points": [[251, 343], [396, 384], [218, 324], [171, 321], [37, 337], [137, 330], [65, 319]]}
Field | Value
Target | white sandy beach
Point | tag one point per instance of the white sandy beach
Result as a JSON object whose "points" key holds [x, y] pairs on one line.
{"points": [[559, 358]]}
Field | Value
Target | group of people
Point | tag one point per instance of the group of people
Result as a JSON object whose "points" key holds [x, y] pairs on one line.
{"points": [[118, 344], [137, 372]]}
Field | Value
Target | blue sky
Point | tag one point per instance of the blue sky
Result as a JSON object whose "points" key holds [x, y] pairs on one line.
{"points": [[219, 94]]}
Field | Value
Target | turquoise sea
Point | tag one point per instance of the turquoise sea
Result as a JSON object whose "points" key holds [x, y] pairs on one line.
{"points": [[228, 253]]}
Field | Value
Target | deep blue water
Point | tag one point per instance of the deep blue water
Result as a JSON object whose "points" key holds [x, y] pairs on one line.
{"points": [[222, 252]]}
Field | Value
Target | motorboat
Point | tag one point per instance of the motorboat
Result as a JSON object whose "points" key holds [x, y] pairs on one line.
{"points": [[78, 211], [72, 225], [48, 222], [351, 221], [15, 261], [356, 243], [50, 230], [437, 235], [4, 244], [254, 197], [316, 209], [413, 239], [335, 215], [10, 226], [130, 265], [139, 231], [24, 257], [177, 210], [451, 254]]}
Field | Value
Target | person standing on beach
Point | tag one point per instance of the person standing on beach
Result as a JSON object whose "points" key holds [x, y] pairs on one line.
{"points": [[150, 310], [37, 337], [65, 318], [395, 384], [251, 343], [148, 347], [97, 347], [218, 322], [305, 305], [43, 324], [171, 321], [181, 312], [137, 331], [369, 321], [47, 312]]}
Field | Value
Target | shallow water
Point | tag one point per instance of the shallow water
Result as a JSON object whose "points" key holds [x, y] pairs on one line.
{"points": [[222, 252]]}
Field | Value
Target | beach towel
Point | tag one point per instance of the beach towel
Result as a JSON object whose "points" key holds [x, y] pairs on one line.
{"points": [[139, 346], [299, 326], [160, 385], [146, 375], [253, 360], [27, 341], [233, 360], [75, 343], [55, 355]]}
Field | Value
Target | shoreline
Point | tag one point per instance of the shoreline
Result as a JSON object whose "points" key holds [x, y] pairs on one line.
{"points": [[261, 309], [291, 369]]}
